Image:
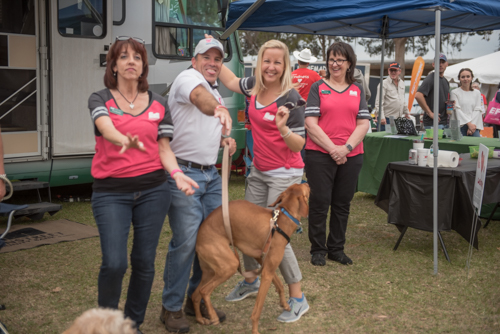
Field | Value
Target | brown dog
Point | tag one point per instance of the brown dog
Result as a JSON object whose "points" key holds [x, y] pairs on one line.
{"points": [[250, 229]]}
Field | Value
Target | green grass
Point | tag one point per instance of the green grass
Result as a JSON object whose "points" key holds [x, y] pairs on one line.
{"points": [[385, 291]]}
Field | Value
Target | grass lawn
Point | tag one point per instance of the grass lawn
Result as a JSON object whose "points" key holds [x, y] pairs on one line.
{"points": [[385, 291]]}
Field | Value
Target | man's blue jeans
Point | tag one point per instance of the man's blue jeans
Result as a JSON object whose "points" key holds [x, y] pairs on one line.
{"points": [[185, 217], [464, 128], [113, 213]]}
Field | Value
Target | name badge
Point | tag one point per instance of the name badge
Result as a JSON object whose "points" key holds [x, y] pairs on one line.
{"points": [[353, 93], [153, 116], [269, 117], [325, 91], [116, 111]]}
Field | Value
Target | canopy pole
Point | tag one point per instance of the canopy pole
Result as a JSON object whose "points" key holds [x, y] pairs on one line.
{"points": [[435, 138], [383, 34], [241, 19], [381, 87]]}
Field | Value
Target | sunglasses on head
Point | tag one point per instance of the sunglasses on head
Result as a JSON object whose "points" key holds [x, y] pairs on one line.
{"points": [[126, 38], [290, 105]]}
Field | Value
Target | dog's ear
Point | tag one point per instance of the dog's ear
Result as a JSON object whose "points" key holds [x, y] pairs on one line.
{"points": [[303, 206]]}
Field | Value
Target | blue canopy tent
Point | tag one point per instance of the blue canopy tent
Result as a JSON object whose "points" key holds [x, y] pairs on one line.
{"points": [[370, 19]]}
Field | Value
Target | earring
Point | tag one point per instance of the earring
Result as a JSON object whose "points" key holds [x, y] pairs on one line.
{"points": [[348, 70], [114, 74]]}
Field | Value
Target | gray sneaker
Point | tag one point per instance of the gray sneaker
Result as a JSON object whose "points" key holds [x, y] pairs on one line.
{"points": [[297, 309], [242, 290]]}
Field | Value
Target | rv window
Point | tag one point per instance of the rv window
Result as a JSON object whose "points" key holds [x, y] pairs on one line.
{"points": [[82, 18], [189, 12], [172, 41], [118, 12], [17, 17]]}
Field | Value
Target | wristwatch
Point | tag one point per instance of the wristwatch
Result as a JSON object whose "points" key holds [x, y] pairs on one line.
{"points": [[349, 147]]}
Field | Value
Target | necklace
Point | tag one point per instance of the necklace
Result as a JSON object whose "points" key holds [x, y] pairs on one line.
{"points": [[131, 105]]}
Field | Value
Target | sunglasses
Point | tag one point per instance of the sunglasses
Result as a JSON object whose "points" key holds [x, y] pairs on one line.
{"points": [[290, 105], [126, 38]]}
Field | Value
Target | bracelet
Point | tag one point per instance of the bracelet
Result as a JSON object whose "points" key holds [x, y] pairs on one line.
{"points": [[175, 171], [220, 106], [287, 134]]}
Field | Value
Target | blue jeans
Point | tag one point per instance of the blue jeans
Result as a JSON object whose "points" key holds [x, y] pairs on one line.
{"points": [[464, 128], [382, 126], [440, 126], [185, 217], [113, 213]]}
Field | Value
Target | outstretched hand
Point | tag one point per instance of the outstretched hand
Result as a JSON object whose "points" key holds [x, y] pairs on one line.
{"points": [[185, 183], [130, 141], [222, 113]]}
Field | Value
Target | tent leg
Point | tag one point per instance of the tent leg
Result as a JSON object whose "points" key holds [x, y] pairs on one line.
{"points": [[444, 247], [491, 215], [400, 237]]}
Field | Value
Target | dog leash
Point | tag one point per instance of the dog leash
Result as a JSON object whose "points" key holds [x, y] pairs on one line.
{"points": [[227, 222]]}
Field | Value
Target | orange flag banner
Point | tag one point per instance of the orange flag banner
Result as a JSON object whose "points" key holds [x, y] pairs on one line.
{"points": [[416, 74]]}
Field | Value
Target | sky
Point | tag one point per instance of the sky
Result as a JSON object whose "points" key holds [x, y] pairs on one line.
{"points": [[474, 47]]}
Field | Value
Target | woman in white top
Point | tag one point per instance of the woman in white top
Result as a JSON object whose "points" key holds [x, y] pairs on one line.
{"points": [[467, 105]]}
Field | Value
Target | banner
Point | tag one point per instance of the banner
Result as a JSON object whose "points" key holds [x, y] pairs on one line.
{"points": [[416, 74], [482, 165]]}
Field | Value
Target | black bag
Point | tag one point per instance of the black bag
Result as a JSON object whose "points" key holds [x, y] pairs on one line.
{"points": [[405, 126]]}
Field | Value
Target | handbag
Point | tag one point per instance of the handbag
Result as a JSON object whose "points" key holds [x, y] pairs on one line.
{"points": [[493, 113], [405, 126]]}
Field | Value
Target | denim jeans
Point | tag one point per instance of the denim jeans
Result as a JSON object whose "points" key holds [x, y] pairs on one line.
{"points": [[440, 126], [114, 213], [464, 128], [185, 217]]}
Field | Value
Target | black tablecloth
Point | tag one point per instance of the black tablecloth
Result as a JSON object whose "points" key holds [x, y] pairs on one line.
{"points": [[405, 193]]}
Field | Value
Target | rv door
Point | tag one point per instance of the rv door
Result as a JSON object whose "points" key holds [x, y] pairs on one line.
{"points": [[80, 37]]}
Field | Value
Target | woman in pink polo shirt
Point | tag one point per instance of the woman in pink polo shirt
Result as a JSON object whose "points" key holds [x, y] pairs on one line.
{"points": [[337, 120], [278, 135], [133, 129]]}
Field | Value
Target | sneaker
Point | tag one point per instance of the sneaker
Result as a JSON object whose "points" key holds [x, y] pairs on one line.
{"points": [[174, 321], [189, 310], [340, 257], [318, 259], [242, 290], [297, 309]]}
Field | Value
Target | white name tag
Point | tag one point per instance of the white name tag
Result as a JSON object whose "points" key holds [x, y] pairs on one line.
{"points": [[353, 93], [269, 117], [154, 116]]}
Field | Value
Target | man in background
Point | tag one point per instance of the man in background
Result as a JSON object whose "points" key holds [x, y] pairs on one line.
{"points": [[303, 75], [394, 101]]}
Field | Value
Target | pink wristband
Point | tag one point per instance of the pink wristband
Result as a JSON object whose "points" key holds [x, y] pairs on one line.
{"points": [[175, 171]]}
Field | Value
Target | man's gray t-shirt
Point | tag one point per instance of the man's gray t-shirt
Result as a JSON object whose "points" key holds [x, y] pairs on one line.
{"points": [[427, 88]]}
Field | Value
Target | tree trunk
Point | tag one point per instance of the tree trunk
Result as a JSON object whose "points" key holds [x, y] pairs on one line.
{"points": [[399, 49]]}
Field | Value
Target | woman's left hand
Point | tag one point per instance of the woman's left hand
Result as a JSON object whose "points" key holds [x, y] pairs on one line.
{"points": [[185, 183], [339, 153], [282, 117]]}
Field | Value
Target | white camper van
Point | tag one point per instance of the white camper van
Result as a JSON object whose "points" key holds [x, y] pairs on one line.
{"points": [[52, 57]]}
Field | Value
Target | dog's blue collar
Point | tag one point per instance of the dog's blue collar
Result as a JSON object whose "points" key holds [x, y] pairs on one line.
{"points": [[295, 220]]}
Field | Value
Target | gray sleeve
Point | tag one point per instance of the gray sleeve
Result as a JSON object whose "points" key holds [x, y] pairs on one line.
{"points": [[363, 112], [246, 85], [166, 126], [313, 101], [97, 106], [296, 119], [426, 86]]}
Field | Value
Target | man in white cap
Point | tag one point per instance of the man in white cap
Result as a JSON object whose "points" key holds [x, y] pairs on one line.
{"points": [[304, 76], [202, 125]]}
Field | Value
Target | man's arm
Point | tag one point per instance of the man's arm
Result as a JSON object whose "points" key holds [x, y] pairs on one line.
{"points": [[207, 104], [421, 102]]}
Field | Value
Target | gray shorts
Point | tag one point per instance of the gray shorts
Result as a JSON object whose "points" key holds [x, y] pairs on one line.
{"points": [[263, 190]]}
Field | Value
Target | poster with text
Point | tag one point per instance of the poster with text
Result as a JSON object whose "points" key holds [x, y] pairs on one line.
{"points": [[482, 165]]}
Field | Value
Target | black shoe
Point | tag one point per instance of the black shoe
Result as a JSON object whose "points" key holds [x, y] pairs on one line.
{"points": [[340, 258], [189, 310], [318, 259]]}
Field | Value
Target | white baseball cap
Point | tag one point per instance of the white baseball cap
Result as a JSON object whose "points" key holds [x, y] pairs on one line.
{"points": [[305, 56], [206, 44]]}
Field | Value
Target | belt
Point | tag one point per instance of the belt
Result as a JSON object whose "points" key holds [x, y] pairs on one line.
{"points": [[192, 164]]}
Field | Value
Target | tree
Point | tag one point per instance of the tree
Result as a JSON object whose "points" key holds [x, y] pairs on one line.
{"points": [[419, 45], [251, 42]]}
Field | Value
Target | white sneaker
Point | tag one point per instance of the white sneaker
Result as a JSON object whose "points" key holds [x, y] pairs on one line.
{"points": [[297, 309], [242, 290]]}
